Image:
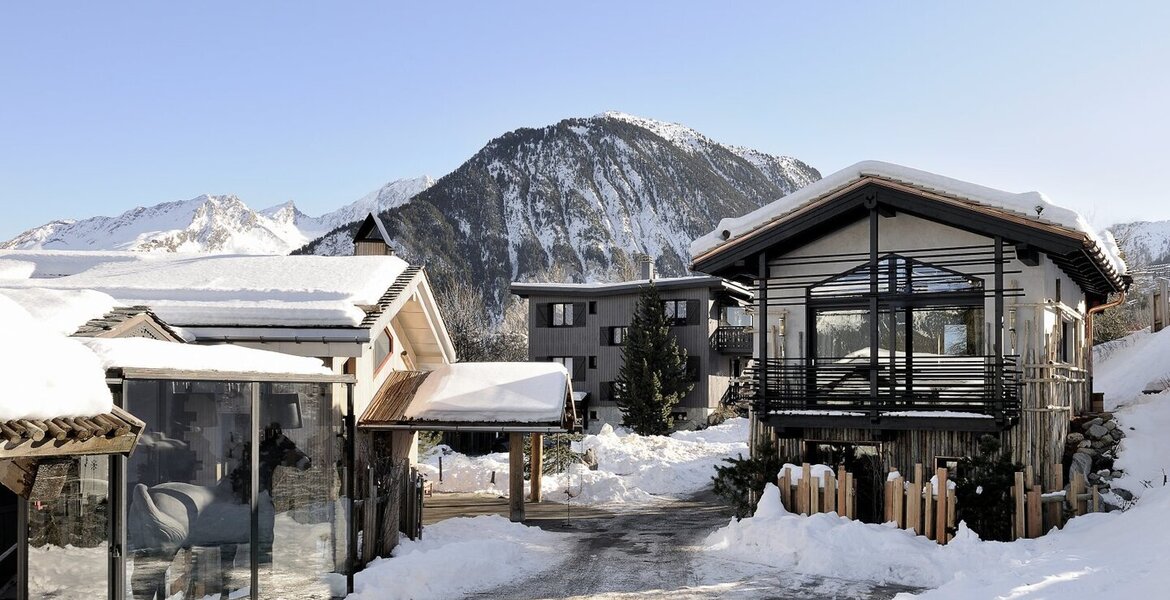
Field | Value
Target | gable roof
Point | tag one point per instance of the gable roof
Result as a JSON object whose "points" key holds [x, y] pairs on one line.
{"points": [[1028, 218], [129, 321], [372, 230]]}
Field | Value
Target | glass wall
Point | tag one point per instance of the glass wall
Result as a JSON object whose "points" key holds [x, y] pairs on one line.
{"points": [[68, 537], [194, 522]]}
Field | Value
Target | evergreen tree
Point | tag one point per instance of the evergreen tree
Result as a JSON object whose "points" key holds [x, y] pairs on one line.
{"points": [[983, 490], [653, 377], [745, 478]]}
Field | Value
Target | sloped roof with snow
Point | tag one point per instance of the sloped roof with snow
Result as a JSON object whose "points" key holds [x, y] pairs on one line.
{"points": [[525, 289], [1022, 207], [144, 353], [227, 290]]}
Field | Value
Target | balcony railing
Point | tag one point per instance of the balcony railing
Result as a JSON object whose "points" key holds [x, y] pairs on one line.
{"points": [[854, 385], [733, 339]]}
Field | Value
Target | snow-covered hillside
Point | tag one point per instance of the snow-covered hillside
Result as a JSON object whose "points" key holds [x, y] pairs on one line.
{"points": [[221, 224], [583, 194], [1144, 242]]}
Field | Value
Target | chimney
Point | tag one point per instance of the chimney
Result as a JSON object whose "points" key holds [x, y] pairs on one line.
{"points": [[645, 267]]}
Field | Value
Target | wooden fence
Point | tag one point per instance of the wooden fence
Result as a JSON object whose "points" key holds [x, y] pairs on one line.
{"points": [[916, 504]]}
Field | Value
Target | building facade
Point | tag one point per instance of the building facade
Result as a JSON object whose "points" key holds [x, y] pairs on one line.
{"points": [[583, 326], [909, 314]]}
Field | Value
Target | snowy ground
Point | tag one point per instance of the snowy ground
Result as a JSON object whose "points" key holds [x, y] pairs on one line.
{"points": [[459, 556], [632, 469]]}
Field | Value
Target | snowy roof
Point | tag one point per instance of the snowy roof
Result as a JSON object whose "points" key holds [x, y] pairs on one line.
{"points": [[46, 374], [466, 394], [1023, 204], [525, 289], [58, 263], [144, 353], [63, 311], [229, 290]]}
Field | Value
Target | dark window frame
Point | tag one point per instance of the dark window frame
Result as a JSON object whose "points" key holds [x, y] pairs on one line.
{"points": [[566, 314]]}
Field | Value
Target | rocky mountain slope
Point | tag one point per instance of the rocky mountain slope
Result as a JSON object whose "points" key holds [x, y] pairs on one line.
{"points": [[1145, 243], [222, 224], [580, 197]]}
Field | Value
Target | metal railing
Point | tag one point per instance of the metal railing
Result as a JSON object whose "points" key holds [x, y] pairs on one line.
{"points": [[916, 383], [732, 339]]}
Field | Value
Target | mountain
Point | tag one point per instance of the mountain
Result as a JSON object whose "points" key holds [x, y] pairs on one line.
{"points": [[1144, 243], [221, 224], [578, 198]]}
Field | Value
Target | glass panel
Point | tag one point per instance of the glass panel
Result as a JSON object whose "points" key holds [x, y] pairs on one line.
{"points": [[737, 316], [948, 331], [842, 333], [302, 541], [559, 314], [383, 344], [188, 487], [67, 537], [898, 275]]}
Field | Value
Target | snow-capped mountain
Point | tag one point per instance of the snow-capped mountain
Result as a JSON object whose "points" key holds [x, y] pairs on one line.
{"points": [[585, 195], [1144, 243], [222, 224]]}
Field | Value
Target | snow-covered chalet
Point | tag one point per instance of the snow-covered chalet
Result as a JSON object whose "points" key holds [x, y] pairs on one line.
{"points": [[901, 315]]}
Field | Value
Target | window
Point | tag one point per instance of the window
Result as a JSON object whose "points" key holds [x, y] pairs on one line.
{"points": [[676, 311], [736, 316], [592, 307], [564, 360], [592, 362], [592, 415], [562, 314], [617, 335], [383, 346]]}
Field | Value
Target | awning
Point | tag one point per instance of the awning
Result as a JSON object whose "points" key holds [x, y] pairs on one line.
{"points": [[115, 432], [496, 397]]}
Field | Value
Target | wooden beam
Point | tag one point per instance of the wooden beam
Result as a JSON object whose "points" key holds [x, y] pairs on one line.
{"points": [[940, 515], [537, 469], [516, 477]]}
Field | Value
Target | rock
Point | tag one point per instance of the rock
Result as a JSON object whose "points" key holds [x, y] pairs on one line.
{"points": [[1110, 425], [1075, 438], [1108, 416], [1094, 478], [1117, 433], [1106, 439], [1097, 444], [1087, 452], [1095, 422], [1116, 474], [1103, 472], [1084, 444], [1124, 494], [1104, 462], [1097, 430], [1081, 463]]}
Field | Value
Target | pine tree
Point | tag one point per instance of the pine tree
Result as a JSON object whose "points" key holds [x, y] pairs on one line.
{"points": [[653, 377], [745, 478], [983, 490]]}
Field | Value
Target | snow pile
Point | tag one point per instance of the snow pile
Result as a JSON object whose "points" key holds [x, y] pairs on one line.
{"points": [[631, 468], [46, 374], [796, 473], [16, 269], [1127, 367], [528, 392], [63, 311], [460, 556], [1118, 554], [1023, 203], [143, 353]]}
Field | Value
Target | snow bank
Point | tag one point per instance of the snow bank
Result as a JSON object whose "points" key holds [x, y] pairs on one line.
{"points": [[16, 269], [1118, 554], [459, 556], [63, 311], [632, 469], [1126, 367], [528, 392], [143, 353], [46, 374], [1022, 203]]}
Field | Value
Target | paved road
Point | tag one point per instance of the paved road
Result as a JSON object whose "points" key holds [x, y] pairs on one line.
{"points": [[654, 553]]}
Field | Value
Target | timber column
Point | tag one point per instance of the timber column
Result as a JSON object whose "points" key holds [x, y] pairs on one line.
{"points": [[516, 476], [537, 466]]}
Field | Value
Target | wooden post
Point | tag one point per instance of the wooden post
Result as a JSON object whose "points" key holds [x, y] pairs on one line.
{"points": [[850, 499], [1096, 498], [802, 502], [1029, 476], [899, 497], [783, 482], [914, 501], [842, 499], [1076, 488], [1055, 513], [1018, 496], [814, 495], [516, 477], [830, 492], [887, 505], [1035, 515], [928, 513], [537, 468], [940, 516], [951, 504]]}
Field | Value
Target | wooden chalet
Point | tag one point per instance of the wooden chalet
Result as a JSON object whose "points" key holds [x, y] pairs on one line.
{"points": [[905, 314]]}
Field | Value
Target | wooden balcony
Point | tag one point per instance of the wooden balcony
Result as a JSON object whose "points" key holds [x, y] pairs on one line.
{"points": [[964, 393], [732, 339]]}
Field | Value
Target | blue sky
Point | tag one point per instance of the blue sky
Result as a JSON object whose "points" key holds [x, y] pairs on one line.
{"points": [[107, 106]]}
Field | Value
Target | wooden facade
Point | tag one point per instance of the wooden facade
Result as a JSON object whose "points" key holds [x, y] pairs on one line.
{"points": [[902, 324]]}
